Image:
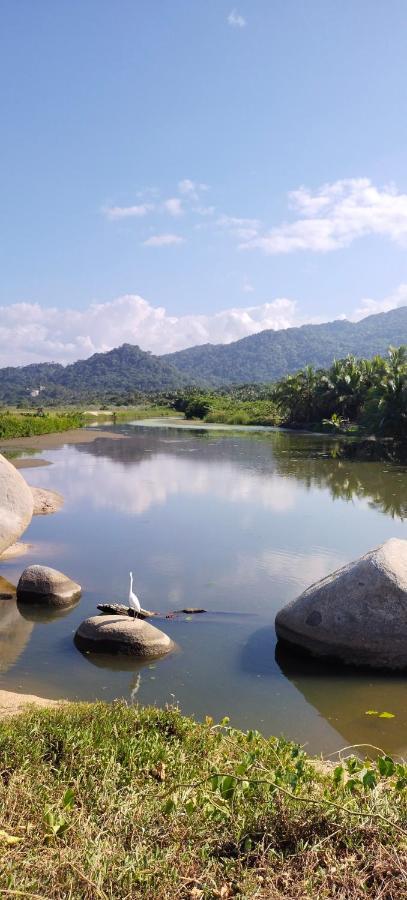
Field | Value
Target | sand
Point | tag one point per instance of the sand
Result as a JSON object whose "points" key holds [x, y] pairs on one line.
{"points": [[58, 439], [11, 703], [46, 502]]}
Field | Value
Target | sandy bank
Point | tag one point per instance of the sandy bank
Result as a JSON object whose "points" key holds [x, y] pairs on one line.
{"points": [[57, 439], [11, 703], [45, 501]]}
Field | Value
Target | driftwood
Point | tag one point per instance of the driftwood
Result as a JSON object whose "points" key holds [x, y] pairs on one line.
{"points": [[118, 609]]}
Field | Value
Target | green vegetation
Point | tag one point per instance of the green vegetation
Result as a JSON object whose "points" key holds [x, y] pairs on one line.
{"points": [[123, 375], [126, 374], [250, 405], [369, 396], [101, 801], [13, 425], [270, 355]]}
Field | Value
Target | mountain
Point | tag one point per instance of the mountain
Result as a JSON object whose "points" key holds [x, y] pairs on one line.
{"points": [[269, 355], [264, 357], [124, 370]]}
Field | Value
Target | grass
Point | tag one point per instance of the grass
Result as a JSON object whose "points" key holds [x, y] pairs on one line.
{"points": [[105, 801], [130, 413], [15, 424]]}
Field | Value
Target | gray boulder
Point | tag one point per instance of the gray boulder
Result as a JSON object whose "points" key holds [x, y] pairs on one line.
{"points": [[357, 615], [16, 504], [43, 586], [120, 634]]}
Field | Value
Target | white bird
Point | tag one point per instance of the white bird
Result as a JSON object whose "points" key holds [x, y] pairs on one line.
{"points": [[134, 601]]}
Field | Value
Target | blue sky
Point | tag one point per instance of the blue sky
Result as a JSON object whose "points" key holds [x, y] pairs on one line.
{"points": [[196, 158]]}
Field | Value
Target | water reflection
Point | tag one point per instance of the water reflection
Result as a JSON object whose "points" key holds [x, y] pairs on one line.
{"points": [[342, 695], [146, 469], [36, 613], [235, 524], [310, 460], [14, 632]]}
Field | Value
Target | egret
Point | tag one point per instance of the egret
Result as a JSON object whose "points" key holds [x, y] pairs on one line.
{"points": [[134, 601]]}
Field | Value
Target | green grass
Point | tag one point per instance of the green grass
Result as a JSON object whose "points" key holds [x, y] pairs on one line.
{"points": [[130, 413], [100, 801], [16, 424]]}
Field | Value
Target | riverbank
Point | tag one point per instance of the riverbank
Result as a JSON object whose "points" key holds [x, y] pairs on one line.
{"points": [[58, 439], [106, 801]]}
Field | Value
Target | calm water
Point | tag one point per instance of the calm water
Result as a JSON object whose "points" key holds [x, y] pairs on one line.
{"points": [[238, 523]]}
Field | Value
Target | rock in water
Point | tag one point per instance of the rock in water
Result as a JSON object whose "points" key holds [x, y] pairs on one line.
{"points": [[46, 502], [357, 615], [16, 504], [43, 586], [120, 634]]}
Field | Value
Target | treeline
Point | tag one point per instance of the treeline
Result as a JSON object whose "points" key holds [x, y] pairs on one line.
{"points": [[365, 394]]}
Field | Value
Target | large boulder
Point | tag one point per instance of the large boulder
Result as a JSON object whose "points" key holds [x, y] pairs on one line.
{"points": [[120, 634], [357, 615], [43, 586], [16, 504]]}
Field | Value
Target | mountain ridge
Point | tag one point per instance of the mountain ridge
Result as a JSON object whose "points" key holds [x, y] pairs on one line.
{"points": [[258, 358]]}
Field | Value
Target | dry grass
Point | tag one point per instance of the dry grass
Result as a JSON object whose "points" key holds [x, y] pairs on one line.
{"points": [[101, 801]]}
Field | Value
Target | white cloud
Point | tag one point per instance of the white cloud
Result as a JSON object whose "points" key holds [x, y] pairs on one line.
{"points": [[173, 206], [247, 287], [34, 333], [163, 240], [128, 212], [335, 216], [243, 229], [369, 307], [236, 20], [191, 189]]}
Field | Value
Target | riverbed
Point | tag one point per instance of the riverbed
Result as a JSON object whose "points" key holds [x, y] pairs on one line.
{"points": [[237, 521]]}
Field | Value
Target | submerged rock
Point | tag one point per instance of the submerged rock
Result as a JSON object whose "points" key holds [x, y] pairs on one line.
{"points": [[42, 585], [120, 634], [357, 615], [16, 504]]}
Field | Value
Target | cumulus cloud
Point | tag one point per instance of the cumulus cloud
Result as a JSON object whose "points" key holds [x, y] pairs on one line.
{"points": [[369, 307], [163, 240], [30, 332], [173, 206], [128, 212], [236, 20], [336, 215], [34, 333]]}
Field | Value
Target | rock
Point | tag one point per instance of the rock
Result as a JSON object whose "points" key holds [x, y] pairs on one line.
{"points": [[42, 585], [16, 504], [120, 634], [357, 615], [119, 609], [46, 502]]}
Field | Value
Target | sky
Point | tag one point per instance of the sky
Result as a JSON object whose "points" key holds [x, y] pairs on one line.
{"points": [[176, 172]]}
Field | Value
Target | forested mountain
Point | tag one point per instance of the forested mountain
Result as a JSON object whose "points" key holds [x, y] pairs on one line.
{"points": [[126, 370], [262, 357], [269, 355]]}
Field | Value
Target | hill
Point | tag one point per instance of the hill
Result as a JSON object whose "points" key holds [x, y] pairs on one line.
{"points": [[269, 355], [127, 370]]}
